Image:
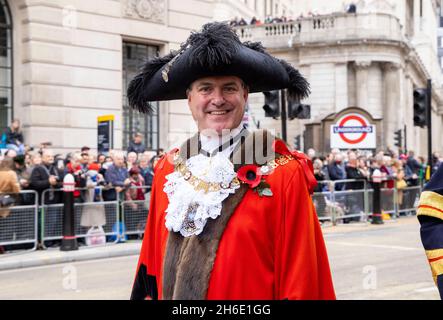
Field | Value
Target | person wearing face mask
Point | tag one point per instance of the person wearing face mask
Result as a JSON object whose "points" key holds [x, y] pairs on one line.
{"points": [[230, 215]]}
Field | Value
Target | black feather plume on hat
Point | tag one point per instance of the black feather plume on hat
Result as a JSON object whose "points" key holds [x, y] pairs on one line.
{"points": [[213, 46], [137, 89], [298, 88]]}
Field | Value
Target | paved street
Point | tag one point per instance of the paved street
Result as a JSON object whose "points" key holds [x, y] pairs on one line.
{"points": [[368, 262], [96, 279], [380, 262]]}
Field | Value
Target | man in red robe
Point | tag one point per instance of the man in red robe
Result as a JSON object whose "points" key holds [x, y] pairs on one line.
{"points": [[231, 215]]}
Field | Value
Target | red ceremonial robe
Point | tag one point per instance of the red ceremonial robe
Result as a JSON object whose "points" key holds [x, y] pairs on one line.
{"points": [[270, 248]]}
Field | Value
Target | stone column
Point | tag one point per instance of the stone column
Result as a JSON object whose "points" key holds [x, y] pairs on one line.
{"points": [[392, 102], [341, 86], [361, 79]]}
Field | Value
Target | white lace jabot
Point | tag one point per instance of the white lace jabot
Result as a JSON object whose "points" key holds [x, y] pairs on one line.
{"points": [[189, 207], [210, 143]]}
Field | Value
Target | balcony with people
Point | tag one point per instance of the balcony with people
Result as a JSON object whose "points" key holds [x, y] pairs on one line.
{"points": [[338, 28]]}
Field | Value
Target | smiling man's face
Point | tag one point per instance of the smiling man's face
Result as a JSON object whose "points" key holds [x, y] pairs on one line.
{"points": [[217, 103]]}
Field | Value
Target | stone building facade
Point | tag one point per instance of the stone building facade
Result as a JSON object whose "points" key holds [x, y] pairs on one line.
{"points": [[63, 63], [372, 59]]}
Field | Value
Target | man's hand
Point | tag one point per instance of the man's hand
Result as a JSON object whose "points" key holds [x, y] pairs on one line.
{"points": [[118, 189], [24, 183], [52, 180]]}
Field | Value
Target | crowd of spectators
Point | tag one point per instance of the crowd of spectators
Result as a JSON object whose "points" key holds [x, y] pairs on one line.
{"points": [[398, 171], [255, 21], [41, 169], [354, 164], [101, 177]]}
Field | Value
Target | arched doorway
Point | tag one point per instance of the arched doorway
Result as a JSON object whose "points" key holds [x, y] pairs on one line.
{"points": [[6, 111]]}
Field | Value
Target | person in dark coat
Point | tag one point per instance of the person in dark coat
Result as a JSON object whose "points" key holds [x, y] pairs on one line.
{"points": [[336, 171], [45, 176], [116, 175], [355, 203], [319, 175], [319, 199], [146, 171], [353, 172], [413, 163], [136, 145]]}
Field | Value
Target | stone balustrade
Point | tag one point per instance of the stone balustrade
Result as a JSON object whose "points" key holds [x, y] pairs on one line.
{"points": [[324, 28]]}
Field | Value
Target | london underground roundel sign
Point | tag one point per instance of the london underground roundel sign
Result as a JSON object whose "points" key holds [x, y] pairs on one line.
{"points": [[353, 131]]}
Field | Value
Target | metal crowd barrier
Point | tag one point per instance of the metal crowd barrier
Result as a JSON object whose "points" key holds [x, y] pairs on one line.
{"points": [[324, 202], [350, 200], [85, 212], [122, 217], [18, 230], [408, 200]]}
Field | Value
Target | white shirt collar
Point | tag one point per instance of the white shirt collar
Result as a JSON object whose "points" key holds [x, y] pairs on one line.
{"points": [[210, 143]]}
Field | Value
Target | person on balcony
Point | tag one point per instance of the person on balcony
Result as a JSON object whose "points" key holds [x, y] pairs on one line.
{"points": [[352, 8], [242, 22]]}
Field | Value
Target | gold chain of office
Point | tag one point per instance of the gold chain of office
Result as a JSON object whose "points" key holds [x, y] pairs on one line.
{"points": [[205, 186]]}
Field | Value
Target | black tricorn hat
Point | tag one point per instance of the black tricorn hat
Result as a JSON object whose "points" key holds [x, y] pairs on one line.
{"points": [[214, 51]]}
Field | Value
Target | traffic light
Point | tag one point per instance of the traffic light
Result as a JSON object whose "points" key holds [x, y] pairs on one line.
{"points": [[297, 142], [272, 105], [298, 110], [398, 138], [420, 107]]}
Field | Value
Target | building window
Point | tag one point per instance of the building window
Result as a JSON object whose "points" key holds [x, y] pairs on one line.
{"points": [[134, 54], [5, 66]]}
